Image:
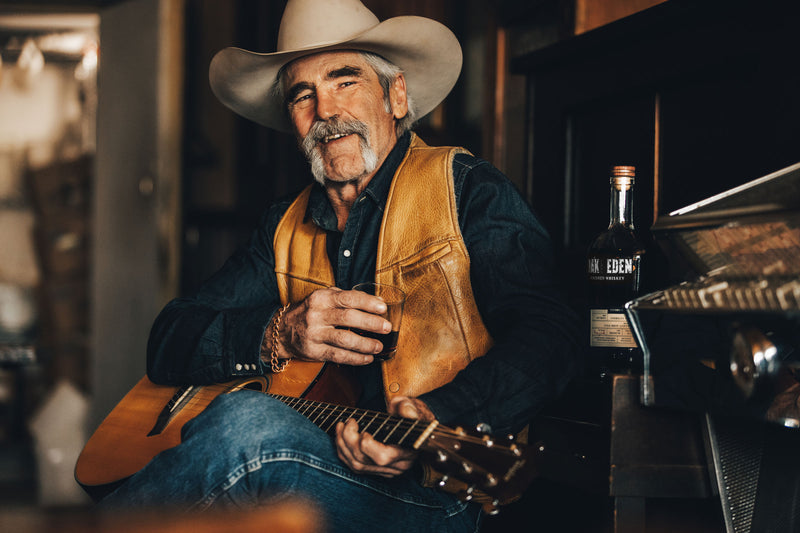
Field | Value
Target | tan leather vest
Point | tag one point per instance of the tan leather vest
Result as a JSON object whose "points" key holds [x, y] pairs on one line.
{"points": [[420, 250]]}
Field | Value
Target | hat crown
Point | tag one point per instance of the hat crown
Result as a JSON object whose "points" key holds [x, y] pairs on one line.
{"points": [[313, 23]]}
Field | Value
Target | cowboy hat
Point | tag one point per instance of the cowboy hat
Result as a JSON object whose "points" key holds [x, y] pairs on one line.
{"points": [[427, 52]]}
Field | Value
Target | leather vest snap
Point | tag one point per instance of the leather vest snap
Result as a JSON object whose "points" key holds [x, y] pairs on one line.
{"points": [[420, 250]]}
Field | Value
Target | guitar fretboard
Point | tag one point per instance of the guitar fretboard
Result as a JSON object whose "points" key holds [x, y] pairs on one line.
{"points": [[386, 428]]}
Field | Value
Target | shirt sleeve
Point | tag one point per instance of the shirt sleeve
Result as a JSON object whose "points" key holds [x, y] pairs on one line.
{"points": [[215, 334], [535, 333]]}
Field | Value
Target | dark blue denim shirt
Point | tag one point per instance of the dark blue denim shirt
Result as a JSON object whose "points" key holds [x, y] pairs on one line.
{"points": [[215, 334]]}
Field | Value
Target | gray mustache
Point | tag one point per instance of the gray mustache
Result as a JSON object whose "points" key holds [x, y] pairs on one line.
{"points": [[321, 129]]}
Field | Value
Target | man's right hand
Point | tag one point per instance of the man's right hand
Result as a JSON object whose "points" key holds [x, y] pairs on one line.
{"points": [[319, 327]]}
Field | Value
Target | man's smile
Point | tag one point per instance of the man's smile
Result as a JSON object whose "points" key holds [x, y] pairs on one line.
{"points": [[331, 138]]}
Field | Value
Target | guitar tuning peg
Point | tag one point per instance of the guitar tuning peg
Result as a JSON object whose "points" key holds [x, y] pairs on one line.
{"points": [[487, 440], [491, 481], [492, 508], [466, 467], [483, 427], [441, 456], [443, 481]]}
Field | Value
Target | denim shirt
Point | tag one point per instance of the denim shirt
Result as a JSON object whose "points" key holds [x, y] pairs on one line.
{"points": [[215, 334]]}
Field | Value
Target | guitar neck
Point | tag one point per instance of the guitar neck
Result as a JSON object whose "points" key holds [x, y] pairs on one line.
{"points": [[385, 428]]}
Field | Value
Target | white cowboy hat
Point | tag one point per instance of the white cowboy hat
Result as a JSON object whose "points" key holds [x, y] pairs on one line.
{"points": [[427, 52]]}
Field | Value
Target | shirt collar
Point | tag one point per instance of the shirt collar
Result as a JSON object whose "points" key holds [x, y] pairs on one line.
{"points": [[319, 208]]}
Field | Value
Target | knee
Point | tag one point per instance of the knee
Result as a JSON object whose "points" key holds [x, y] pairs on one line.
{"points": [[243, 419]]}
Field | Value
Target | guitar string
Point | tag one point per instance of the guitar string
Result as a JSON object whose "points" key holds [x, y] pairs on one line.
{"points": [[401, 422], [199, 401]]}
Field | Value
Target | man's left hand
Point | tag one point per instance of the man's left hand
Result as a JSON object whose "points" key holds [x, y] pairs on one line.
{"points": [[365, 455]]}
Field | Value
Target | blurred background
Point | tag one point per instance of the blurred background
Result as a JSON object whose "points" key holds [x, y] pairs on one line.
{"points": [[124, 182]]}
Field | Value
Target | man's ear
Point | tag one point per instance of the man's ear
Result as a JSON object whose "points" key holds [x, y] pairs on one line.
{"points": [[398, 97]]}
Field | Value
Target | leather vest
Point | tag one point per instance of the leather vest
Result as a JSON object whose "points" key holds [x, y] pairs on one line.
{"points": [[420, 250]]}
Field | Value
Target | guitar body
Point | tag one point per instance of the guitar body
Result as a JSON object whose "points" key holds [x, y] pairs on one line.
{"points": [[123, 444]]}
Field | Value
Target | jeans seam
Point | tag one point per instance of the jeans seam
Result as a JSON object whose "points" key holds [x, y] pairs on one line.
{"points": [[249, 467]]}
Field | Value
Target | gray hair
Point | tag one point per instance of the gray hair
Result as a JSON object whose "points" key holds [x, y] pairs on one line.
{"points": [[386, 72]]}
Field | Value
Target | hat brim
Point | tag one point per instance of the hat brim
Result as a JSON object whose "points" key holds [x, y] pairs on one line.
{"points": [[427, 52]]}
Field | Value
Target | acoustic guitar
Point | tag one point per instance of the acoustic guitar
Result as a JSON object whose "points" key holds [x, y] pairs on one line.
{"points": [[148, 420]]}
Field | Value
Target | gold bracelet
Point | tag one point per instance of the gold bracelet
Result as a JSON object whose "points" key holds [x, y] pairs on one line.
{"points": [[276, 365]]}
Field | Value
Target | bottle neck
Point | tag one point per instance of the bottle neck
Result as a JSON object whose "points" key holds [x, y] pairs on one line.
{"points": [[621, 206]]}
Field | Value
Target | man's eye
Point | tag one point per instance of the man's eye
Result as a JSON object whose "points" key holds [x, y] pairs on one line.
{"points": [[302, 100], [347, 83]]}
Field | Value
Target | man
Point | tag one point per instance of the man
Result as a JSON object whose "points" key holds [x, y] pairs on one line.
{"points": [[485, 337]]}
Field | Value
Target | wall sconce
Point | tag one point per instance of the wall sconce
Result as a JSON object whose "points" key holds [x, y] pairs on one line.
{"points": [[29, 64], [88, 64]]}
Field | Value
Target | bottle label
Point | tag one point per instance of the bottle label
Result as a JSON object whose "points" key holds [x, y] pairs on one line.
{"points": [[613, 270], [609, 329]]}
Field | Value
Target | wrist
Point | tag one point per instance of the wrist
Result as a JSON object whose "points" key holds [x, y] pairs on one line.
{"points": [[272, 353]]}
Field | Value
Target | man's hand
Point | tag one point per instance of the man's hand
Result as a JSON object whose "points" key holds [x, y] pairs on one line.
{"points": [[364, 455], [318, 328]]}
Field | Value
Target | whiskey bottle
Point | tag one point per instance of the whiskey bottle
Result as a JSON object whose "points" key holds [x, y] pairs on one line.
{"points": [[613, 271]]}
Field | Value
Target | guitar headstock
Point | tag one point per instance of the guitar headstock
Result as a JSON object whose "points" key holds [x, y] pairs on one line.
{"points": [[477, 466]]}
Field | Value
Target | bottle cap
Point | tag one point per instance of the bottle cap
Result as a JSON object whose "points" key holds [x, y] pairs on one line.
{"points": [[622, 177], [623, 171]]}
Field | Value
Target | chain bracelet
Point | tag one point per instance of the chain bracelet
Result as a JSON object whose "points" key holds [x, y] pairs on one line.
{"points": [[275, 363]]}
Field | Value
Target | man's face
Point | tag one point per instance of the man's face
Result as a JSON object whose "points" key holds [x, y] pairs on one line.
{"points": [[340, 116]]}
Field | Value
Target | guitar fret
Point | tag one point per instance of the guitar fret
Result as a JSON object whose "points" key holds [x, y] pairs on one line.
{"points": [[349, 412], [325, 425], [402, 439], [375, 433], [328, 410], [345, 414], [291, 402], [388, 436], [315, 407], [374, 417]]}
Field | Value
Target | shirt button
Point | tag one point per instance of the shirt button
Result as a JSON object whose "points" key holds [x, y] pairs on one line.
{"points": [[238, 367], [347, 253], [394, 387]]}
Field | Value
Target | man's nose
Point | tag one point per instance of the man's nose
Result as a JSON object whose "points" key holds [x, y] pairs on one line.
{"points": [[327, 106]]}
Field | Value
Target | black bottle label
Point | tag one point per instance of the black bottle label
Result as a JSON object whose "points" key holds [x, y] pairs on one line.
{"points": [[605, 270]]}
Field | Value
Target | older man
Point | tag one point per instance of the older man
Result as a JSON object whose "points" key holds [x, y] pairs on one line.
{"points": [[485, 336]]}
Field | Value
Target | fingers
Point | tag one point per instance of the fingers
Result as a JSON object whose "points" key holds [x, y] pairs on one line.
{"points": [[360, 300], [320, 328], [410, 408], [363, 454], [352, 310]]}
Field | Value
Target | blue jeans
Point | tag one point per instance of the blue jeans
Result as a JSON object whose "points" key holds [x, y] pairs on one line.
{"points": [[247, 449]]}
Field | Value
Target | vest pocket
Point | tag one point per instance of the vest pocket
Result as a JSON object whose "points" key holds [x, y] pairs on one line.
{"points": [[425, 257]]}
